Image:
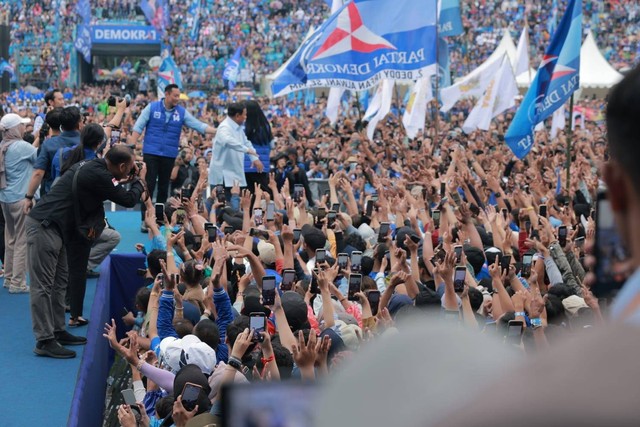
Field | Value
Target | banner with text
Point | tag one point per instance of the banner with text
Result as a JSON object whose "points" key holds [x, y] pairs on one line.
{"points": [[124, 34]]}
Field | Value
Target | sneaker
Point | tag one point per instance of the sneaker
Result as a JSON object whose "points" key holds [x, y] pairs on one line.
{"points": [[52, 348], [92, 274], [143, 228], [14, 290], [65, 338]]}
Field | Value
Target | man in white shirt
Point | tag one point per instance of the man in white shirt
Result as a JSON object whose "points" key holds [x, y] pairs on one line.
{"points": [[229, 148]]}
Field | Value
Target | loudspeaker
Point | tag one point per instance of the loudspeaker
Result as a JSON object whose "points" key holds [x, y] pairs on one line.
{"points": [[5, 40]]}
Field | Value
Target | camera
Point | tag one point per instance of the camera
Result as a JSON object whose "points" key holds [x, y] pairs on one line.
{"points": [[112, 100], [135, 171]]}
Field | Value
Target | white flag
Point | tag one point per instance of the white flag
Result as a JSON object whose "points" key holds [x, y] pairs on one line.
{"points": [[379, 107], [557, 121], [521, 63], [416, 109], [473, 84], [499, 96], [333, 104]]}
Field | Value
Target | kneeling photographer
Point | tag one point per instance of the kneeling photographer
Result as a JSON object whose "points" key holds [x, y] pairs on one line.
{"points": [[69, 219]]}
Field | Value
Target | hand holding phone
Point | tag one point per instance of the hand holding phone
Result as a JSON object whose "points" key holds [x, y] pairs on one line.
{"points": [[190, 394], [355, 283], [257, 324], [268, 290]]}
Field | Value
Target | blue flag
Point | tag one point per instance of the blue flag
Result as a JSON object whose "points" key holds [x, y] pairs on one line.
{"points": [[363, 42], [83, 9], [5, 67], [168, 73], [157, 13], [194, 11], [557, 78], [444, 66], [553, 19], [83, 42], [232, 69], [449, 23]]}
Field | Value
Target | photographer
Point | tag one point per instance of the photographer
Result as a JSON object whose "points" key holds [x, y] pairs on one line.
{"points": [[53, 99], [53, 229], [184, 173]]}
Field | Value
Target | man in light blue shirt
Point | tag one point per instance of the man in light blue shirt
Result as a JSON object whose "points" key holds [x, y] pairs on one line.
{"points": [[17, 158], [229, 147]]}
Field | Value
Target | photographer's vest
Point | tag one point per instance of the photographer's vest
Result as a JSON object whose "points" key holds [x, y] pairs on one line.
{"points": [[162, 138]]}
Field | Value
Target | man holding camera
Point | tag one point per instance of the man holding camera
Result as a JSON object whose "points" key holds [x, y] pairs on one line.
{"points": [[52, 225], [163, 121]]}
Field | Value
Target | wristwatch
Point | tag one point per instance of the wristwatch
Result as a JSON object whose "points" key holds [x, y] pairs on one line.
{"points": [[26, 196], [235, 363]]}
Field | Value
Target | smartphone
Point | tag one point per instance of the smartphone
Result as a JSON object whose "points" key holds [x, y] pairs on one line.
{"points": [[271, 211], [129, 398], [180, 216], [505, 261], [514, 331], [436, 218], [313, 287], [228, 230], [368, 211], [125, 311], [296, 234], [374, 301], [190, 394], [255, 232], [505, 213], [160, 213], [186, 193], [579, 241], [356, 261], [331, 218], [298, 191], [257, 216], [562, 235], [321, 256], [220, 195], [527, 259], [288, 278], [383, 231], [458, 278], [322, 212], [455, 196], [443, 189], [268, 290], [355, 283], [335, 207], [527, 227], [257, 323], [542, 211], [343, 261], [611, 253], [458, 251], [197, 241], [212, 233]]}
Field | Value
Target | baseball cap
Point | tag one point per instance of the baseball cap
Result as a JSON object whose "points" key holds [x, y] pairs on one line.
{"points": [[12, 120], [267, 252]]}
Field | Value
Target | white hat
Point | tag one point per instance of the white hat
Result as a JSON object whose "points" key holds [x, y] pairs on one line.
{"points": [[267, 252], [12, 120], [176, 353]]}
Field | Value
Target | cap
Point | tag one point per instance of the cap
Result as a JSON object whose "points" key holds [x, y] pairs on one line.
{"points": [[12, 120], [267, 252]]}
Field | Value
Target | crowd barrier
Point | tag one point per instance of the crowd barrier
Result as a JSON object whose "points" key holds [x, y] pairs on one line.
{"points": [[115, 289]]}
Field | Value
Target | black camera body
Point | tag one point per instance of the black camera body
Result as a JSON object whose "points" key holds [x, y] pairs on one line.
{"points": [[111, 102]]}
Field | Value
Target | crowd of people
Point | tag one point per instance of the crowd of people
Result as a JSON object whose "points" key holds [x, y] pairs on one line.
{"points": [[270, 31]]}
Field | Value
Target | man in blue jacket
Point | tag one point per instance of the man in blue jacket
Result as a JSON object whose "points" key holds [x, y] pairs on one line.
{"points": [[163, 121]]}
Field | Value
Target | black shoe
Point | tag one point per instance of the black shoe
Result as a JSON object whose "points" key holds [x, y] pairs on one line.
{"points": [[65, 338], [67, 309], [51, 348], [92, 274]]}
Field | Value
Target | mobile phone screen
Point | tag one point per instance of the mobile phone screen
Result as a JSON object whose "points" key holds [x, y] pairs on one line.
{"points": [[436, 218], [321, 255], [313, 287], [505, 261], [271, 211], [220, 194], [562, 235], [268, 290], [374, 301], [611, 253], [343, 261], [383, 231], [190, 394], [458, 251], [159, 213], [296, 234], [298, 190], [355, 281], [543, 210], [443, 189], [356, 261], [257, 324], [458, 279], [288, 277], [526, 265], [335, 207], [257, 216], [369, 208], [212, 233]]}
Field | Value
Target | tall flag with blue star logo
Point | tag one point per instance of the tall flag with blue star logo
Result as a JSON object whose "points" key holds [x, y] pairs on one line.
{"points": [[194, 14], [157, 13], [557, 78], [231, 71], [168, 73], [363, 43], [449, 22]]}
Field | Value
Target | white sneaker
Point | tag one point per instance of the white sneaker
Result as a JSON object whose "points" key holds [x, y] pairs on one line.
{"points": [[14, 290]]}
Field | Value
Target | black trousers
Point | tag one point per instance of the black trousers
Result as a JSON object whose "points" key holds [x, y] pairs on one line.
{"points": [[78, 251], [254, 178], [158, 169]]}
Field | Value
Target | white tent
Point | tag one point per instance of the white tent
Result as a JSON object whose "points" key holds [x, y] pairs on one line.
{"points": [[597, 76]]}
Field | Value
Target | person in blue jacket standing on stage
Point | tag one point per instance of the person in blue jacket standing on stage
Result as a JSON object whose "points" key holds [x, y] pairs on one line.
{"points": [[258, 131]]}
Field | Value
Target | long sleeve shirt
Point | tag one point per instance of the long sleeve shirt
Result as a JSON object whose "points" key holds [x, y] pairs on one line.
{"points": [[225, 317], [229, 148]]}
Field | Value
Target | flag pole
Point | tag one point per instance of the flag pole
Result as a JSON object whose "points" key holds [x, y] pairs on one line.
{"points": [[359, 106], [569, 141], [436, 121]]}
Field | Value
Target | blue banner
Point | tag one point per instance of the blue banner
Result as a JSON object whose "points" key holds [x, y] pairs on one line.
{"points": [[168, 73], [157, 13], [83, 42], [194, 12], [553, 19], [83, 9], [124, 34], [449, 23], [232, 69], [364, 42], [557, 78], [5, 67], [444, 66]]}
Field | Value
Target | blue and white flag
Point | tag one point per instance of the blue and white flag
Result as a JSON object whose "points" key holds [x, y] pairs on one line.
{"points": [[449, 22], [168, 73], [363, 43], [83, 42], [557, 78], [83, 9], [553, 19], [232, 69], [157, 13], [444, 66], [5, 67], [194, 12]]}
